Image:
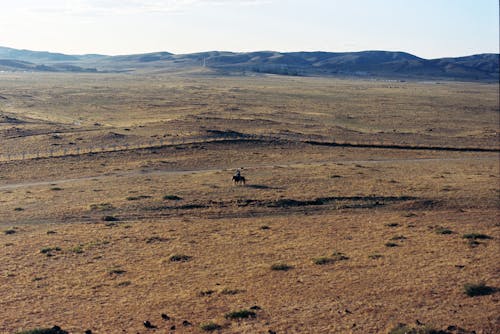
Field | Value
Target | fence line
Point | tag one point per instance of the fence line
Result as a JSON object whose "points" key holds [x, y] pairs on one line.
{"points": [[156, 143]]}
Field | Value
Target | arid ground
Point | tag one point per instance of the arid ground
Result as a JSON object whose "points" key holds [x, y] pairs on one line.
{"points": [[367, 204]]}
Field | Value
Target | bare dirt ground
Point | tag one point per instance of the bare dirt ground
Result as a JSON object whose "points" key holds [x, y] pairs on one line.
{"points": [[367, 237]]}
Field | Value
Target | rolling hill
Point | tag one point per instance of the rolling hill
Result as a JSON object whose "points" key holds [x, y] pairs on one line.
{"points": [[385, 64]]}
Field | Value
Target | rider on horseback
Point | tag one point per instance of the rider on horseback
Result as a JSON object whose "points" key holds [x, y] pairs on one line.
{"points": [[238, 173]]}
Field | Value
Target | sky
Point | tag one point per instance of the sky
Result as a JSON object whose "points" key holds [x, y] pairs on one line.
{"points": [[426, 28]]}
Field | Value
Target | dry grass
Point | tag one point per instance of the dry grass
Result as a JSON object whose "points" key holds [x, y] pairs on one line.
{"points": [[133, 235]]}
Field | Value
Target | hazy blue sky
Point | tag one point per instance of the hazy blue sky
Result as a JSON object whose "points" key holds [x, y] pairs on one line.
{"points": [[426, 28]]}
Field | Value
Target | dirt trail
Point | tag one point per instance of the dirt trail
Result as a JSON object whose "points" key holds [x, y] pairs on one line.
{"points": [[12, 186]]}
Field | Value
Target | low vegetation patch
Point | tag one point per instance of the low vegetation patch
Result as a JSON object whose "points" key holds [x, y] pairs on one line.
{"points": [[210, 327], [172, 198], [110, 219], [443, 230], [49, 251], [375, 256], [180, 258], [421, 329], [241, 314], [101, 207], [116, 271], [227, 291], [53, 330], [137, 198], [323, 260], [479, 289], [281, 267], [475, 236]]}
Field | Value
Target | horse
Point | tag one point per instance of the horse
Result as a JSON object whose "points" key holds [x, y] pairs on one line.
{"points": [[239, 179]]}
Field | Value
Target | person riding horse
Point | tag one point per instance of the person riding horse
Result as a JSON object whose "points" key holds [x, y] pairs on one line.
{"points": [[237, 178]]}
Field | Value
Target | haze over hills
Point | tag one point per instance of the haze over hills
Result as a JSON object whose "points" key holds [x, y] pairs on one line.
{"points": [[386, 64]]}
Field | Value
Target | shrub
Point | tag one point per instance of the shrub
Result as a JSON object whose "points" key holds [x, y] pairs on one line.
{"points": [[443, 230], [53, 330], [101, 206], [241, 314], [391, 244], [116, 271], [210, 326], [422, 329], [9, 231], [110, 219], [77, 249], [475, 236], [281, 266], [375, 256], [479, 289], [180, 258], [339, 256], [172, 198], [136, 198], [49, 250], [227, 291], [323, 260]]}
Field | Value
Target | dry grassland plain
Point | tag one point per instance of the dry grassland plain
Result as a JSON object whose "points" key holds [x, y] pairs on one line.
{"points": [[367, 204]]}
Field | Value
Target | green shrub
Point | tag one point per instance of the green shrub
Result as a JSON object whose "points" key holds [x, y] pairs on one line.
{"points": [[443, 230], [210, 326], [476, 236], [323, 260], [172, 198], [375, 256], [281, 266], [241, 314], [53, 330], [180, 258], [479, 289]]}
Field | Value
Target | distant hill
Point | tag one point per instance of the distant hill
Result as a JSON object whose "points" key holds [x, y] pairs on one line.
{"points": [[386, 64]]}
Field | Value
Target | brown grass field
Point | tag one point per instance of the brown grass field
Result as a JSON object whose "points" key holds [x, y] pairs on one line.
{"points": [[374, 231]]}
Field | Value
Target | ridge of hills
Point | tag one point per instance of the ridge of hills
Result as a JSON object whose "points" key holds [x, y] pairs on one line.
{"points": [[383, 64]]}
